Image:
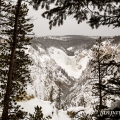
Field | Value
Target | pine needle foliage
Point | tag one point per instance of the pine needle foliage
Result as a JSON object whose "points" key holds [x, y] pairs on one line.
{"points": [[95, 12], [38, 115], [21, 73], [105, 69]]}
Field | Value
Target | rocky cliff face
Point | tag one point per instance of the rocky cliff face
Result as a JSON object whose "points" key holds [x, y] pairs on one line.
{"points": [[53, 68]]}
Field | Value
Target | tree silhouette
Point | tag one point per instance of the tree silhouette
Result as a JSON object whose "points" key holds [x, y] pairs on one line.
{"points": [[105, 70], [14, 61], [96, 12], [38, 115]]}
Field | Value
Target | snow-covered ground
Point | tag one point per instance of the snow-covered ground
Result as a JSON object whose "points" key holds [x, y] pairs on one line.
{"points": [[48, 109]]}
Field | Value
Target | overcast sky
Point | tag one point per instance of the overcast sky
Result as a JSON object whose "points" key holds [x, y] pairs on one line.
{"points": [[70, 27]]}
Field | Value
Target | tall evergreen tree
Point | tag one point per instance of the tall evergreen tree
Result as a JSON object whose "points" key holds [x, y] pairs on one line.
{"points": [[106, 73], [38, 115], [14, 61], [58, 99], [96, 70], [51, 94]]}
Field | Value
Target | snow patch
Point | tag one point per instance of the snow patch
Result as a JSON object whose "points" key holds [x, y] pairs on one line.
{"points": [[48, 109]]}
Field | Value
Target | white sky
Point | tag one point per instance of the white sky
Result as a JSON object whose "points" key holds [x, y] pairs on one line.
{"points": [[70, 27]]}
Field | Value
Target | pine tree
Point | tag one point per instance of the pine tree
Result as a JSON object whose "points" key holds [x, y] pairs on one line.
{"points": [[106, 74], [14, 61], [112, 86], [51, 94], [58, 99], [38, 115], [97, 71]]}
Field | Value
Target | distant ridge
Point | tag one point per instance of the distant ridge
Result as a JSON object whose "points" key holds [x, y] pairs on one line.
{"points": [[64, 42]]}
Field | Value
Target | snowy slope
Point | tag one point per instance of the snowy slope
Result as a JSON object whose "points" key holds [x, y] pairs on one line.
{"points": [[39, 71], [69, 63], [47, 69], [48, 109]]}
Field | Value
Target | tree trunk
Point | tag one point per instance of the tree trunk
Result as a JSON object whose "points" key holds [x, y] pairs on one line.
{"points": [[100, 91], [11, 66], [100, 79]]}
